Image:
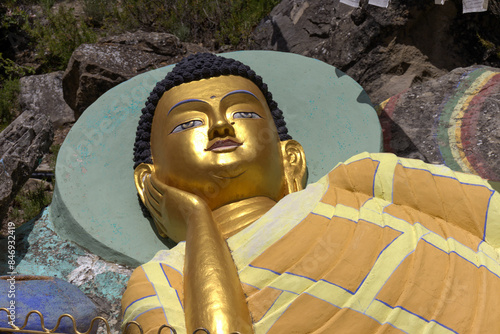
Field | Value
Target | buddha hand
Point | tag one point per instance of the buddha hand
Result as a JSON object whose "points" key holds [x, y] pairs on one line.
{"points": [[172, 208]]}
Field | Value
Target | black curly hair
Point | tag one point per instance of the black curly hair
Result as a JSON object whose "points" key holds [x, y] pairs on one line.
{"points": [[196, 67]]}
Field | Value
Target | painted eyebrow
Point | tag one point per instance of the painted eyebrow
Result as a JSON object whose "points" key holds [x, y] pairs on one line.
{"points": [[239, 92], [183, 102]]}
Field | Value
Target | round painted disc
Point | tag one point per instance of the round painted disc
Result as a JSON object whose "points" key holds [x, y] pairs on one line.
{"points": [[95, 202]]}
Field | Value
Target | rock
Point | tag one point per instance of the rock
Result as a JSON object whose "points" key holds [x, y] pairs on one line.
{"points": [[385, 49], [152, 42], [41, 252], [386, 71], [453, 120], [95, 68], [33, 185], [44, 94], [22, 146], [50, 296]]}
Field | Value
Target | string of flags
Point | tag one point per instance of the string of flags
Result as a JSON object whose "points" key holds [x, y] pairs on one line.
{"points": [[468, 6]]}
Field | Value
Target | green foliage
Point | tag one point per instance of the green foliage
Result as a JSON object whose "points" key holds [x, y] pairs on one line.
{"points": [[96, 11], [28, 204], [54, 151], [485, 43], [12, 34], [12, 20], [12, 16], [8, 101], [242, 18], [142, 13], [47, 4], [489, 46], [225, 21], [11, 70], [58, 36]]}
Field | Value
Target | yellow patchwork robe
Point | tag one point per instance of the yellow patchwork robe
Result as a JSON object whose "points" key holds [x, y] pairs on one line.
{"points": [[379, 245]]}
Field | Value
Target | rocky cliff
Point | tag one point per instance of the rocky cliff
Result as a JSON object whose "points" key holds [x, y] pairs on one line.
{"points": [[386, 50]]}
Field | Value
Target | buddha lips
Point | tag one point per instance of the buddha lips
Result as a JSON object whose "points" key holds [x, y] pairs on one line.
{"points": [[220, 145]]}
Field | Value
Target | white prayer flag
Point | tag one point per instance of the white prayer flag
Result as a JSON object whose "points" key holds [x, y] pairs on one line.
{"points": [[353, 3], [379, 3], [471, 6]]}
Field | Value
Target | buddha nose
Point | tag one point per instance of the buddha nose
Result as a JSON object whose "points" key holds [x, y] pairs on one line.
{"points": [[222, 128]]}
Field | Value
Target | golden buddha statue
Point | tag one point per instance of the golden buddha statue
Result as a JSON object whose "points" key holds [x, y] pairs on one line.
{"points": [[379, 245]]}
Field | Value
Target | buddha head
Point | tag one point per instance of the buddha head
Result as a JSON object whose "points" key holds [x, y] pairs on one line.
{"points": [[212, 128]]}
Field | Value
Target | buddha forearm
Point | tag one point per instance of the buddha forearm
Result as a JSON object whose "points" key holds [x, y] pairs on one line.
{"points": [[213, 297]]}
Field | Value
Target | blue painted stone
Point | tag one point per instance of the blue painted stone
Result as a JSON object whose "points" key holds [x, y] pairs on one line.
{"points": [[51, 296]]}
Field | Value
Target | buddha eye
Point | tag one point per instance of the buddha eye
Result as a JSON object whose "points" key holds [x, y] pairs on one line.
{"points": [[187, 125], [245, 114]]}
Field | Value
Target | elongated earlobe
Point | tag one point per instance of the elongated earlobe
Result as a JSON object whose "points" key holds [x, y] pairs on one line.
{"points": [[140, 174], [294, 161]]}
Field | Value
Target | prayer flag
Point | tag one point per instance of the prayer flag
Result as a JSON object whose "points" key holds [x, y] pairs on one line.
{"points": [[471, 6], [379, 3], [353, 3]]}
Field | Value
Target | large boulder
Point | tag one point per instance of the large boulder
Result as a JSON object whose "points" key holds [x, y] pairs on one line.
{"points": [[95, 68], [385, 49], [153, 42], [52, 297], [453, 120], [40, 251], [44, 94], [22, 146]]}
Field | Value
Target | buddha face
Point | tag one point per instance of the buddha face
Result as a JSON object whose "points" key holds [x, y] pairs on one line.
{"points": [[216, 138]]}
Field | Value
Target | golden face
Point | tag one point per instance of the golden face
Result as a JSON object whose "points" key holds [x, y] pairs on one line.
{"points": [[216, 138]]}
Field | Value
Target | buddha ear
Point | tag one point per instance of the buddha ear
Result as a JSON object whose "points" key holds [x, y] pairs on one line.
{"points": [[140, 174], [294, 161]]}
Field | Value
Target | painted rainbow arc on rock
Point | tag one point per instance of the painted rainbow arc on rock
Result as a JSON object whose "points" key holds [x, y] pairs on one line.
{"points": [[460, 135], [457, 132]]}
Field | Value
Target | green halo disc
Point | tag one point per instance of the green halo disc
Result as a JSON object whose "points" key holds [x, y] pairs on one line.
{"points": [[95, 203]]}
